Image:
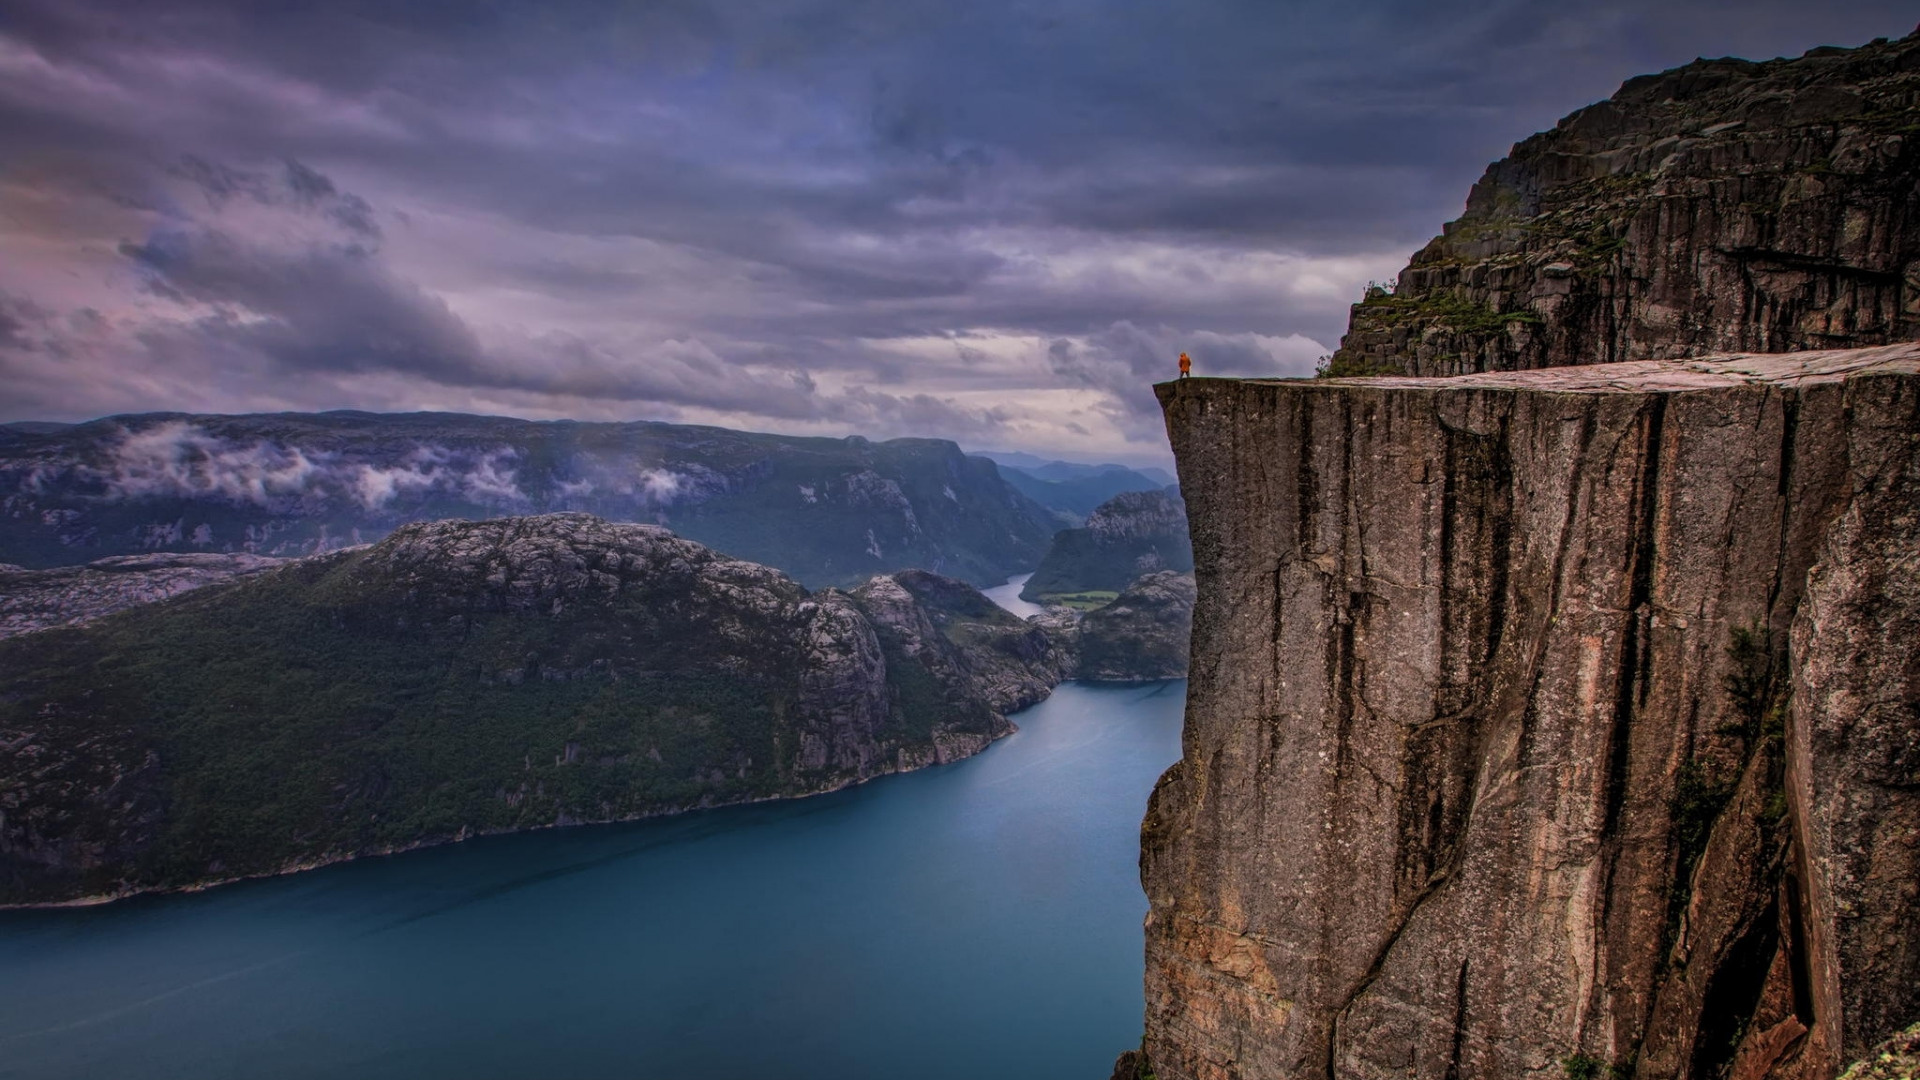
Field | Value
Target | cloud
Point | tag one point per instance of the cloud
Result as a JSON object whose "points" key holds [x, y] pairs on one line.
{"points": [[179, 459], [1125, 359], [818, 216]]}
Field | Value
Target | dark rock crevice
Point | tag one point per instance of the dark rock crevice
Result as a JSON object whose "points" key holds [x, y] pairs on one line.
{"points": [[1502, 787]]}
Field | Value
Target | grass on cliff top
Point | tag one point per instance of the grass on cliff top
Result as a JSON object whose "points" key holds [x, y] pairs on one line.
{"points": [[1086, 600], [1347, 366], [1392, 308]]}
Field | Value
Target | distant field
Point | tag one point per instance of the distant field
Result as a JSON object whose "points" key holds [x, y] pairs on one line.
{"points": [[1083, 601]]}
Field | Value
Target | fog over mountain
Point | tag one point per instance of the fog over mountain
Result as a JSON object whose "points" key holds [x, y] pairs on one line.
{"points": [[991, 222]]}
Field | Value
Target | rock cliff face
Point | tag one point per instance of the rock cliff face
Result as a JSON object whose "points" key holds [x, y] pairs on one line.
{"points": [[1553, 723], [1133, 533], [1722, 206], [465, 677], [66, 596]]}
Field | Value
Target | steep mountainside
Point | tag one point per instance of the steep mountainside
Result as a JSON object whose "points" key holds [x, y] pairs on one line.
{"points": [[827, 511], [462, 677], [1142, 635], [1128, 535], [68, 595], [1726, 205], [1552, 723], [1139, 636]]}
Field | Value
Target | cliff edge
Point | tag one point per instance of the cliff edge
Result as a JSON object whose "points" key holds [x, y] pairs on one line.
{"points": [[1545, 723], [1720, 206]]}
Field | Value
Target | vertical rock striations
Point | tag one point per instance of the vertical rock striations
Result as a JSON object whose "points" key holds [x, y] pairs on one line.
{"points": [[1725, 205], [1545, 723]]}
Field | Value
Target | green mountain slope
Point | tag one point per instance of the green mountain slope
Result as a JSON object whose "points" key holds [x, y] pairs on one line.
{"points": [[465, 677], [1129, 535]]}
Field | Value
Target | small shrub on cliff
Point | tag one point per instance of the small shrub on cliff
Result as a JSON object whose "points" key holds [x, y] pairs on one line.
{"points": [[1348, 366], [1587, 1067]]}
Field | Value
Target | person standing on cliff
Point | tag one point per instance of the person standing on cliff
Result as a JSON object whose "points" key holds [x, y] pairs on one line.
{"points": [[1186, 365]]}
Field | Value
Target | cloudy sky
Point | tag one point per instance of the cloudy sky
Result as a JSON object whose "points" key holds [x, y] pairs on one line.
{"points": [[993, 221]]}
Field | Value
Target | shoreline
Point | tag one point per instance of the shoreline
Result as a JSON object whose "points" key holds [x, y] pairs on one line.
{"points": [[102, 899]]}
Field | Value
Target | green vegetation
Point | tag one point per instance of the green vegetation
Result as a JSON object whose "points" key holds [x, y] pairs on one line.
{"points": [[1392, 308], [348, 705], [1081, 601], [1597, 247], [1128, 535], [1585, 1066], [1755, 684], [1698, 798], [1342, 365]]}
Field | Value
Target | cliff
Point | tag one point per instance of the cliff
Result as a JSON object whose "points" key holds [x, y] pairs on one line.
{"points": [[1133, 533], [469, 677], [1726, 205], [1548, 723], [824, 511]]}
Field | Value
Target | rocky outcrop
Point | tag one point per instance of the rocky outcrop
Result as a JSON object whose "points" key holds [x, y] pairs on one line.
{"points": [[1141, 636], [1896, 1059], [1133, 533], [68, 596], [1547, 723], [968, 643], [1722, 206], [824, 511], [469, 677]]}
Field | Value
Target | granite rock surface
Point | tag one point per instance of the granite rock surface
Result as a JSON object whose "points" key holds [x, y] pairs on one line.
{"points": [[1545, 723], [1726, 205], [71, 595]]}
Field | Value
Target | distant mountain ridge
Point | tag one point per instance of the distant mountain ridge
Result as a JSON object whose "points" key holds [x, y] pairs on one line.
{"points": [[1055, 469], [1075, 491], [828, 511]]}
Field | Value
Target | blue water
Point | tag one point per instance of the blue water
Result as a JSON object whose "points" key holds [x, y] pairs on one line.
{"points": [[1008, 596], [978, 919]]}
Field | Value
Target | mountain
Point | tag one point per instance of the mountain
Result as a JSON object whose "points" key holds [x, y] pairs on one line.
{"points": [[1055, 469], [1722, 206], [69, 595], [1561, 722], [1077, 495], [827, 511], [1126, 536], [1140, 636], [469, 677]]}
